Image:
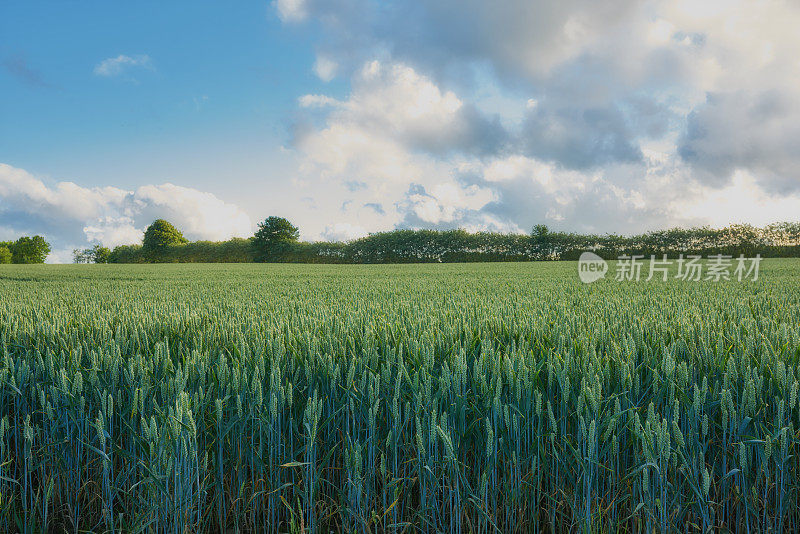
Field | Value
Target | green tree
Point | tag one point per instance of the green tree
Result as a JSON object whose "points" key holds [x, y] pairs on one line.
{"points": [[274, 239], [540, 231], [30, 250], [5, 255], [160, 235], [100, 254]]}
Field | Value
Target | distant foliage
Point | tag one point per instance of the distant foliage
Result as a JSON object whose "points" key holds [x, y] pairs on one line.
{"points": [[127, 254], [5, 254], [276, 241], [96, 254], [25, 250], [235, 250]]}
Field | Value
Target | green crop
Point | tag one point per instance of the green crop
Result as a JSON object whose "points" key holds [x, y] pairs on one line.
{"points": [[417, 398]]}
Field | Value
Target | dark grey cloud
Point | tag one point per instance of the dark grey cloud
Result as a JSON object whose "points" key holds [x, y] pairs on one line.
{"points": [[648, 117], [471, 132], [758, 132], [588, 115], [577, 136], [580, 138], [516, 36]]}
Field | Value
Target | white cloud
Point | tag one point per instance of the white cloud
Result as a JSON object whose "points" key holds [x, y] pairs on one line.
{"points": [[325, 68], [623, 117], [394, 102], [375, 138], [112, 231], [291, 10], [70, 215], [392, 135], [447, 202], [343, 232], [380, 137], [60, 255], [115, 66], [317, 101], [199, 214], [741, 201]]}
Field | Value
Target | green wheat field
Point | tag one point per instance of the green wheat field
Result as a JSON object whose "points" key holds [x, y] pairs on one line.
{"points": [[418, 398]]}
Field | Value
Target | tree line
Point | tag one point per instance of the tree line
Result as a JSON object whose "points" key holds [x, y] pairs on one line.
{"points": [[95, 254], [24, 250], [277, 240]]}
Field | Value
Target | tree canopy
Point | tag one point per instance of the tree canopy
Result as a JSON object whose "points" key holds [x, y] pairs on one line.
{"points": [[274, 238], [540, 231], [159, 235], [26, 250]]}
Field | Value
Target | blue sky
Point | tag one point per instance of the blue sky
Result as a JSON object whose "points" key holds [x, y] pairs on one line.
{"points": [[353, 116], [218, 89]]}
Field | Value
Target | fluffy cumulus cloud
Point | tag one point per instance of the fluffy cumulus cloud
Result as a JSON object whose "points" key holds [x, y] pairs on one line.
{"points": [[427, 158], [600, 116], [71, 216], [394, 101], [388, 152]]}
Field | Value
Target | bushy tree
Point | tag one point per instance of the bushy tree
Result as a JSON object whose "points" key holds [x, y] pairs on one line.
{"points": [[274, 238], [160, 235], [100, 254], [30, 250], [5, 254]]}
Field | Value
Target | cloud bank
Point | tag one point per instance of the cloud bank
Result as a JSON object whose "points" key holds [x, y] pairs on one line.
{"points": [[621, 116], [71, 216]]}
